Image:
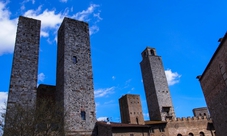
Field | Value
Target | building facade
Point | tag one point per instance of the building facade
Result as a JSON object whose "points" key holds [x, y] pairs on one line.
{"points": [[214, 85], [131, 109]]}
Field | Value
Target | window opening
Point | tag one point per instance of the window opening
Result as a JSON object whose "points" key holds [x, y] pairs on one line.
{"points": [[74, 59], [152, 52], [179, 135], [137, 120], [190, 134], [83, 115], [201, 134]]}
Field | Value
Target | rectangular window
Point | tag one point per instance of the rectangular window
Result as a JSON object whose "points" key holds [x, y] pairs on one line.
{"points": [[83, 115]]}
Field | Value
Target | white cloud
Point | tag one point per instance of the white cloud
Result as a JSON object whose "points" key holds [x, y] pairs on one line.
{"points": [[83, 15], [3, 100], [172, 77], [50, 22], [8, 30], [64, 1], [102, 118], [41, 77], [104, 92], [93, 29], [49, 18]]}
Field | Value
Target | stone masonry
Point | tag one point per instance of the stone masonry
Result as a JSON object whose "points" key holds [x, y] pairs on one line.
{"points": [[74, 77], [156, 88], [23, 81], [131, 109], [214, 85]]}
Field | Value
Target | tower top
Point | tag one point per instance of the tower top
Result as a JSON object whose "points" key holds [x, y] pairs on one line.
{"points": [[148, 52]]}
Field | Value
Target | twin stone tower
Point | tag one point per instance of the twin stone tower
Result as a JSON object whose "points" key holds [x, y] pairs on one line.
{"points": [[74, 79], [74, 91]]}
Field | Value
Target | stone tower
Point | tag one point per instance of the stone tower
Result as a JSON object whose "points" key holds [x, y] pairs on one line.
{"points": [[131, 109], [23, 81], [156, 88], [74, 83]]}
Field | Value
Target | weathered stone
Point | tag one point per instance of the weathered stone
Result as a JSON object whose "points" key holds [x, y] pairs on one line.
{"points": [[131, 109], [158, 97], [24, 73], [213, 82], [74, 77]]}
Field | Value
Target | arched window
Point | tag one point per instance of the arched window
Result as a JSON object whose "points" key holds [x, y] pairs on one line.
{"points": [[201, 134], [190, 134], [179, 135]]}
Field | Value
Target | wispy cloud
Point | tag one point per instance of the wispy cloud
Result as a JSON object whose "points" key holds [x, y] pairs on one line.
{"points": [[24, 2], [109, 102], [85, 15], [104, 92], [172, 77], [41, 77], [51, 20], [64, 1], [113, 77], [127, 83]]}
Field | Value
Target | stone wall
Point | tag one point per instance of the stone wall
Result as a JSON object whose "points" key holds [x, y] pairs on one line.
{"points": [[75, 78], [201, 112], [213, 82], [194, 125], [23, 81], [131, 109], [155, 85]]}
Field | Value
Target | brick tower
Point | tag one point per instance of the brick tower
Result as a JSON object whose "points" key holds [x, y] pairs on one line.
{"points": [[156, 88], [23, 81], [131, 109], [74, 84]]}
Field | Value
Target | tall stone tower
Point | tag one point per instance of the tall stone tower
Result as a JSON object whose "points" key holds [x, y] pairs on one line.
{"points": [[74, 77], [131, 109], [156, 88], [23, 81]]}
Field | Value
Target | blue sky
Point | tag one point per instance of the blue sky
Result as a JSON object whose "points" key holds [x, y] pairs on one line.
{"points": [[184, 33]]}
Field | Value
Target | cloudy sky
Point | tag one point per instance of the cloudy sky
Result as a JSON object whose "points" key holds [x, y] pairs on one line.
{"points": [[184, 33]]}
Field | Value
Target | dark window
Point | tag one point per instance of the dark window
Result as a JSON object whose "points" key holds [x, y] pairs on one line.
{"points": [[152, 52], [201, 134], [190, 134], [137, 120], [145, 54], [74, 59], [179, 135], [161, 129], [83, 115]]}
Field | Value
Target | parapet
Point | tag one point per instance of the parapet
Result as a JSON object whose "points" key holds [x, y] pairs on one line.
{"points": [[186, 119]]}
